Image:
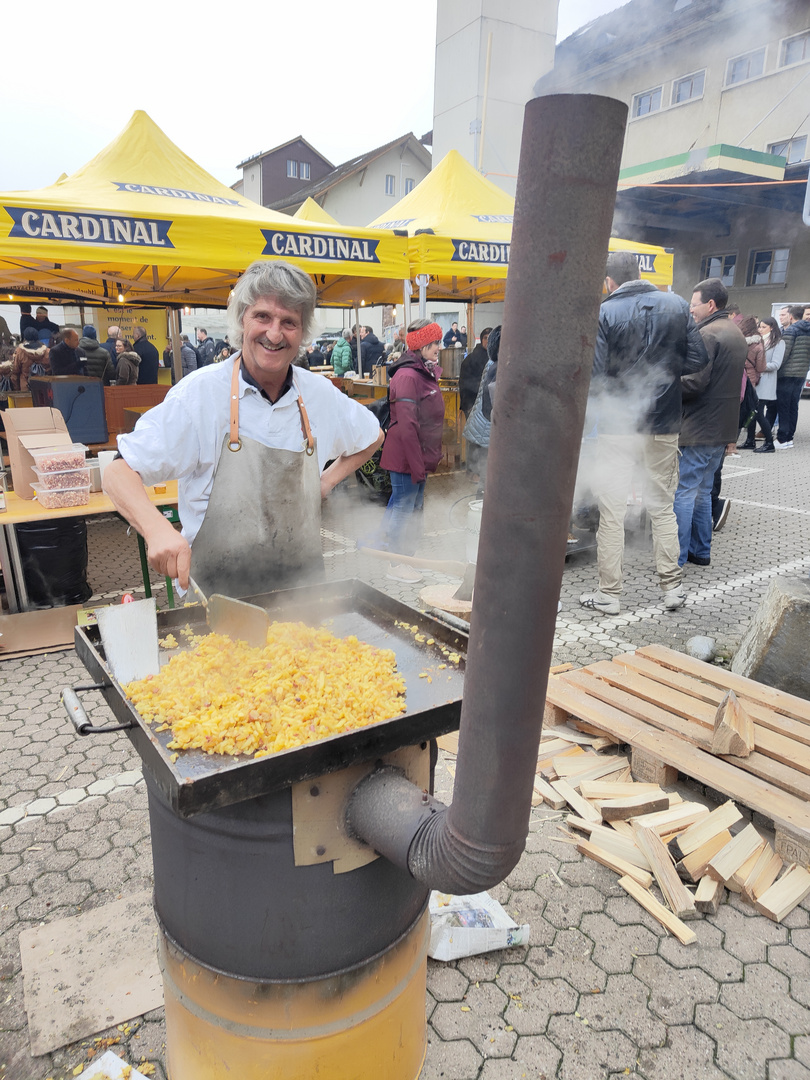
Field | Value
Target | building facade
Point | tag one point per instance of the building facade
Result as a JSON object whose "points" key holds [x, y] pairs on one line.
{"points": [[281, 172], [716, 152], [363, 188]]}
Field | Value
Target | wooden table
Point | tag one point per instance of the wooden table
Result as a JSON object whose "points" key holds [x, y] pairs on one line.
{"points": [[21, 511]]}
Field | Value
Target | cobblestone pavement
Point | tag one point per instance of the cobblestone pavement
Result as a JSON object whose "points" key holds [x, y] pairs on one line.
{"points": [[602, 992]]}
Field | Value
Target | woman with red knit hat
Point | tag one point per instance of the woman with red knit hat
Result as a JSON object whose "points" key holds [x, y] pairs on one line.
{"points": [[413, 443]]}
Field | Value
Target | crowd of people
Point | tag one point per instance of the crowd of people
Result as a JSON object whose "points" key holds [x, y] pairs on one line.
{"points": [[673, 384], [44, 348]]}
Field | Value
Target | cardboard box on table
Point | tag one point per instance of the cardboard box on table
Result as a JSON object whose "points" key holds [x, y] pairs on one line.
{"points": [[27, 430]]}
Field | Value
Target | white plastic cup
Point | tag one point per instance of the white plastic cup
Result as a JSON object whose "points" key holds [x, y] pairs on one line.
{"points": [[104, 459]]}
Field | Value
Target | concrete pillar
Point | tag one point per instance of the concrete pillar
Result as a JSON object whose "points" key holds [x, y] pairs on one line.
{"points": [[522, 49]]}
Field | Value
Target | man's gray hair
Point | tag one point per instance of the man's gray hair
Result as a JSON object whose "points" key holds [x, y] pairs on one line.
{"points": [[286, 283], [347, 335], [622, 266], [138, 332], [113, 331]]}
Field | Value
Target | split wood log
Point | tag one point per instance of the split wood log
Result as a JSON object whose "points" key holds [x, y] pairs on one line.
{"points": [[733, 855], [693, 866], [579, 805], [733, 728], [632, 806], [766, 878], [785, 894], [720, 819], [548, 794], [672, 923], [613, 862], [708, 896], [609, 840], [764, 860], [678, 817], [737, 879], [677, 895], [612, 789]]}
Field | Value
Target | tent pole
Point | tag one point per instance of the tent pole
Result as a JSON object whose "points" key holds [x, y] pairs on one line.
{"points": [[356, 310], [174, 334], [406, 302], [470, 325], [422, 281]]}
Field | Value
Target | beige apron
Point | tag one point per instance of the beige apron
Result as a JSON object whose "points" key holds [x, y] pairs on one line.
{"points": [[261, 531]]}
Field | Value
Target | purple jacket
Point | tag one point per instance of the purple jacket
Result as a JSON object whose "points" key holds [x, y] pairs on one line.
{"points": [[413, 442]]}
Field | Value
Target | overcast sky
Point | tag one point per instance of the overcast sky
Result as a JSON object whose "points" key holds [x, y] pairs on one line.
{"points": [[224, 81]]}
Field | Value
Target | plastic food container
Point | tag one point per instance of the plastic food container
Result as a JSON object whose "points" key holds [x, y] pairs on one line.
{"points": [[63, 478], [59, 498], [59, 458]]}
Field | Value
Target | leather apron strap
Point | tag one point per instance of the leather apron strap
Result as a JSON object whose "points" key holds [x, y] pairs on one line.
{"points": [[234, 442]]}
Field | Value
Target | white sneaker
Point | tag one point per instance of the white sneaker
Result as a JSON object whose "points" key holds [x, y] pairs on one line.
{"points": [[598, 601], [673, 598], [783, 445], [401, 572]]}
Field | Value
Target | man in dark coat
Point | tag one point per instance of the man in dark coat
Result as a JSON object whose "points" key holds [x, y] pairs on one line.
{"points": [[205, 348], [113, 334], [150, 359], [452, 337], [66, 357], [711, 418], [472, 368], [371, 350], [646, 340]]}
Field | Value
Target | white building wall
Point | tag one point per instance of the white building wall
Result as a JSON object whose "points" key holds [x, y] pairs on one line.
{"points": [[523, 37], [362, 198]]}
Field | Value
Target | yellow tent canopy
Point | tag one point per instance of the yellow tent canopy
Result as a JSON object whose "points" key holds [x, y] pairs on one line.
{"points": [[309, 210], [145, 222], [466, 251]]}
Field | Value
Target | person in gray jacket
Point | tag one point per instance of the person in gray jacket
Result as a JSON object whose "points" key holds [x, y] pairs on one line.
{"points": [[711, 418]]}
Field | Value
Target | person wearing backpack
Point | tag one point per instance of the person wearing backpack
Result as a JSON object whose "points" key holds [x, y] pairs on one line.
{"points": [[30, 359], [413, 442]]}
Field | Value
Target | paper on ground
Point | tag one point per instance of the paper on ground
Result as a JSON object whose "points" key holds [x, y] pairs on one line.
{"points": [[111, 1067], [469, 925]]}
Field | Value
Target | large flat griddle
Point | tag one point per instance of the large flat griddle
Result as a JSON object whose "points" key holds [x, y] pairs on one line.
{"points": [[197, 781]]}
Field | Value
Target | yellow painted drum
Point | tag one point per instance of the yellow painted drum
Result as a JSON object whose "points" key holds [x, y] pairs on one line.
{"points": [[364, 1024]]}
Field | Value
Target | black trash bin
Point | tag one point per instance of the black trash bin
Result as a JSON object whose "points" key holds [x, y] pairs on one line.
{"points": [[54, 561]]}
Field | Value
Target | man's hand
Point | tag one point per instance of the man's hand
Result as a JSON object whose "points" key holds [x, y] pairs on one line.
{"points": [[168, 551]]}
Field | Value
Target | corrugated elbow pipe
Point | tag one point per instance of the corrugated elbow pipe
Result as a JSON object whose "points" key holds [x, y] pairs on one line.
{"points": [[566, 188]]}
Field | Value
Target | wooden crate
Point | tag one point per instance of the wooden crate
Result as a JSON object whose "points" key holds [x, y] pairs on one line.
{"points": [[662, 703], [119, 398]]}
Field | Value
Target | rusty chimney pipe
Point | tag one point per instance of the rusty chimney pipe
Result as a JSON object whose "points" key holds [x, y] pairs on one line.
{"points": [[566, 188]]}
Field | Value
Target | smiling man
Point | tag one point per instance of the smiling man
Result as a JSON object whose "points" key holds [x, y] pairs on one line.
{"points": [[248, 441]]}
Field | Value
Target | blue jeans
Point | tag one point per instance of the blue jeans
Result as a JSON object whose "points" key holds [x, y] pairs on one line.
{"points": [[693, 499], [402, 524]]}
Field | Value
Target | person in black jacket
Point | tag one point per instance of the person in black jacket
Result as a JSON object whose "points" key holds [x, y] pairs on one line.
{"points": [[371, 350], [66, 357], [150, 359], [206, 348], [646, 340], [469, 376]]}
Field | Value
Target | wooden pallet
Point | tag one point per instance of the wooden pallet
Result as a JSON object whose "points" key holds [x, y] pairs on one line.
{"points": [[662, 703]]}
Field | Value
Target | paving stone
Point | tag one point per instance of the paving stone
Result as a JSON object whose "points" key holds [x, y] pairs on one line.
{"points": [[479, 968], [532, 1001], [615, 947], [566, 907], [626, 911], [721, 965], [445, 982], [568, 958], [623, 1007], [800, 939], [589, 1054], [687, 1055], [673, 992], [456, 1059], [744, 939], [787, 1069], [743, 1046], [479, 1018], [801, 1049], [794, 964], [764, 992], [537, 1054]]}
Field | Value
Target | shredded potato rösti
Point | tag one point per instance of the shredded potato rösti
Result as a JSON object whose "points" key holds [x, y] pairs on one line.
{"points": [[225, 697]]}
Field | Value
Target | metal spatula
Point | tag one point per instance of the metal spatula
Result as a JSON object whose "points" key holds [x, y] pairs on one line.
{"points": [[130, 636], [234, 618]]}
